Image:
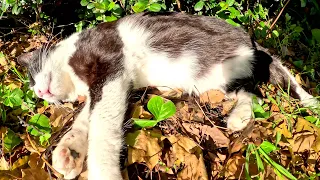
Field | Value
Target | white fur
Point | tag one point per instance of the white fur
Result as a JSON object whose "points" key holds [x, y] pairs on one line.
{"points": [[57, 66], [242, 112], [307, 100], [105, 137], [76, 139]]}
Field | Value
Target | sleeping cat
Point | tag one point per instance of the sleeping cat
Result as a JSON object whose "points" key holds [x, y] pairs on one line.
{"points": [[195, 53]]}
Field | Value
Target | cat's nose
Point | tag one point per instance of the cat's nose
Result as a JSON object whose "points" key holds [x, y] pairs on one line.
{"points": [[43, 92]]}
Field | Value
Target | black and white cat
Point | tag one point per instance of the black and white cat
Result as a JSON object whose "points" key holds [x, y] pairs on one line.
{"points": [[195, 53]]}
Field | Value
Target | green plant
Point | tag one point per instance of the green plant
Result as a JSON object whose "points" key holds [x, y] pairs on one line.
{"points": [[39, 125], [262, 153], [161, 110], [97, 11]]}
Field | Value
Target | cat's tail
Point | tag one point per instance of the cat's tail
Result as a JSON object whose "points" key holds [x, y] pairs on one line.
{"points": [[280, 75]]}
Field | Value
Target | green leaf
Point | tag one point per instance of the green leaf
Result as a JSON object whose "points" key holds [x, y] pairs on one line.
{"points": [[230, 21], [100, 17], [262, 24], [303, 3], [159, 109], [298, 64], [79, 26], [311, 119], [142, 123], [278, 167], [258, 109], [11, 140], [199, 6], [223, 5], [267, 147], [84, 2], [276, 33], [44, 138], [90, 6], [230, 2], [117, 11], [316, 34], [45, 103], [111, 5], [16, 9], [259, 162], [13, 98], [100, 6], [155, 7], [110, 18], [11, 2], [139, 7], [246, 165], [41, 122], [233, 13], [278, 137]]}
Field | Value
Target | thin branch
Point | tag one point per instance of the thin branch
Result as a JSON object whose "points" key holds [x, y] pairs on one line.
{"points": [[275, 21], [25, 124]]}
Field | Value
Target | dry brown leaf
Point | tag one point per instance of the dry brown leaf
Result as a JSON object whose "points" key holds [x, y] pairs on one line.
{"points": [[304, 125], [227, 106], [212, 97], [207, 133], [34, 174], [173, 94], [194, 168], [4, 165], [59, 116], [144, 147], [30, 146], [316, 144], [188, 153], [35, 161], [302, 141], [20, 162], [234, 166], [139, 112], [282, 127], [274, 108]]}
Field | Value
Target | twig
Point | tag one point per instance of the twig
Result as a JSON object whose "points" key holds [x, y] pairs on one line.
{"points": [[33, 146], [25, 124], [44, 160], [209, 118], [49, 165], [178, 4], [274, 22], [241, 172]]}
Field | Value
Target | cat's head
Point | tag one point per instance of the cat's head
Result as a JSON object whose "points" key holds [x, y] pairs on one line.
{"points": [[48, 74]]}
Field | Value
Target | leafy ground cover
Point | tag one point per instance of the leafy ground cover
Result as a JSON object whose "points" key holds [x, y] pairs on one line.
{"points": [[168, 135]]}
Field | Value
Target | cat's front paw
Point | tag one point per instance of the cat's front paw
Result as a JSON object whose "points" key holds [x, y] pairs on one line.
{"points": [[69, 155], [238, 119]]}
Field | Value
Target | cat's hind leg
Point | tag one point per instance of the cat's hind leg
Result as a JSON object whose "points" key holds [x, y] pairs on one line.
{"points": [[69, 155], [280, 75]]}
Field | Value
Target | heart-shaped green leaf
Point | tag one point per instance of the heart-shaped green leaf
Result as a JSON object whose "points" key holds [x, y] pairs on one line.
{"points": [[142, 123], [160, 109]]}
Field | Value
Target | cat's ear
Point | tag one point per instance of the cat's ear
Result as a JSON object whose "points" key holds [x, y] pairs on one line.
{"points": [[26, 58]]}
